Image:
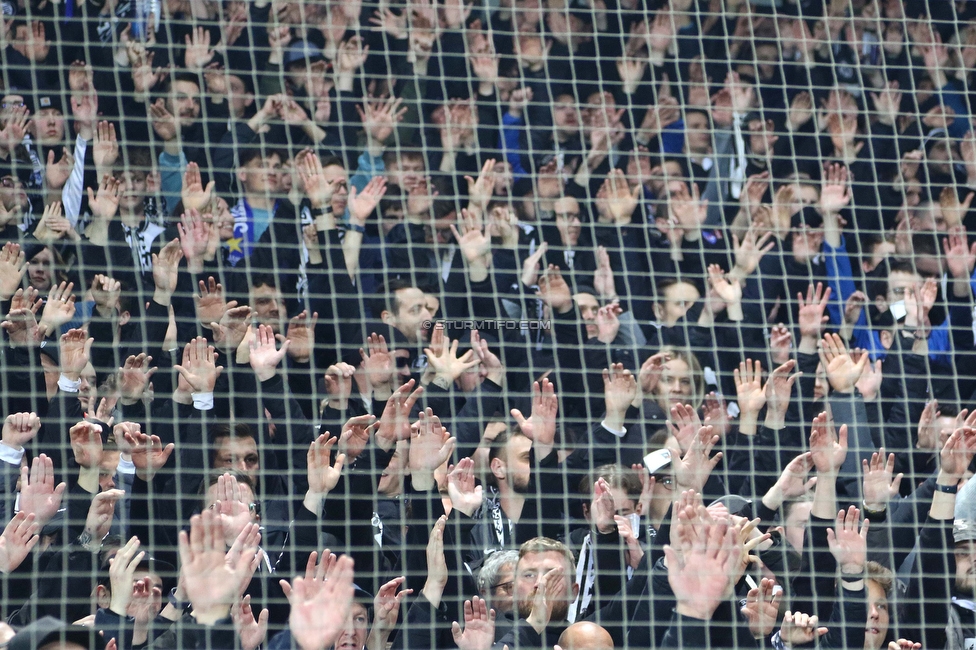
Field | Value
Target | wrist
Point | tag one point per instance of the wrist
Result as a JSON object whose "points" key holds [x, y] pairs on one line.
{"points": [[211, 615], [773, 499], [264, 374], [700, 611], [161, 297], [946, 479]]}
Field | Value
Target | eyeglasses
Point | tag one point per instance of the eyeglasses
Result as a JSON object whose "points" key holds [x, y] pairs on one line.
{"points": [[402, 362], [507, 587]]}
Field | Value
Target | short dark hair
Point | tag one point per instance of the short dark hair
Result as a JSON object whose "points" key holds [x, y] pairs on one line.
{"points": [[386, 298], [264, 280], [223, 430], [617, 476], [251, 153]]}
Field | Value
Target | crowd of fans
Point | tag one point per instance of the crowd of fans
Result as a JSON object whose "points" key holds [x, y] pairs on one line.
{"points": [[572, 323]]}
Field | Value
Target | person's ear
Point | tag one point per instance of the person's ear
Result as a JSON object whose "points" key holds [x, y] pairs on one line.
{"points": [[658, 311], [103, 597], [498, 468], [124, 318], [586, 511], [881, 303], [153, 181], [241, 175], [575, 590], [387, 317]]}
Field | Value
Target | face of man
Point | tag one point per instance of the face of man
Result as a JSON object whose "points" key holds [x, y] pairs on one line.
{"points": [[238, 453], [411, 313], [239, 98], [588, 307], [965, 553], [48, 126], [269, 306], [407, 171], [261, 176], [877, 624], [565, 115], [340, 194], [184, 102], [517, 468], [40, 270], [697, 137], [898, 284], [568, 221], [107, 469], [500, 594], [561, 587], [675, 303], [356, 629]]}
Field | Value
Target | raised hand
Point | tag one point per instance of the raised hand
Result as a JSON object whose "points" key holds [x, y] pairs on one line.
{"points": [[251, 631], [209, 302], [57, 172], [86, 444], [480, 191], [355, 435], [199, 369], [318, 188], [479, 626], [792, 483], [608, 322], [465, 496], [800, 629], [74, 353], [59, 308], [880, 482], [195, 196], [105, 148], [554, 291], [105, 292], [13, 265], [211, 584], [105, 204], [232, 328], [827, 449], [394, 423], [361, 204], [133, 378], [380, 118], [378, 365], [338, 384], [540, 427], [700, 575], [430, 447], [100, 513], [20, 428], [166, 268], [848, 545], [122, 569], [779, 389], [265, 355], [956, 455], [148, 453], [762, 608], [811, 312], [685, 425], [386, 609], [17, 541], [842, 371], [301, 336], [38, 495], [446, 363], [619, 390], [750, 393], [691, 471], [319, 608], [323, 474]]}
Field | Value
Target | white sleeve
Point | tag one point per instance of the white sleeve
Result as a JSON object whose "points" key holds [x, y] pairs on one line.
{"points": [[74, 189]]}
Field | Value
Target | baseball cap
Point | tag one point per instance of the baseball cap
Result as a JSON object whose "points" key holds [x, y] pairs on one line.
{"points": [[303, 51], [964, 530], [655, 461]]}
